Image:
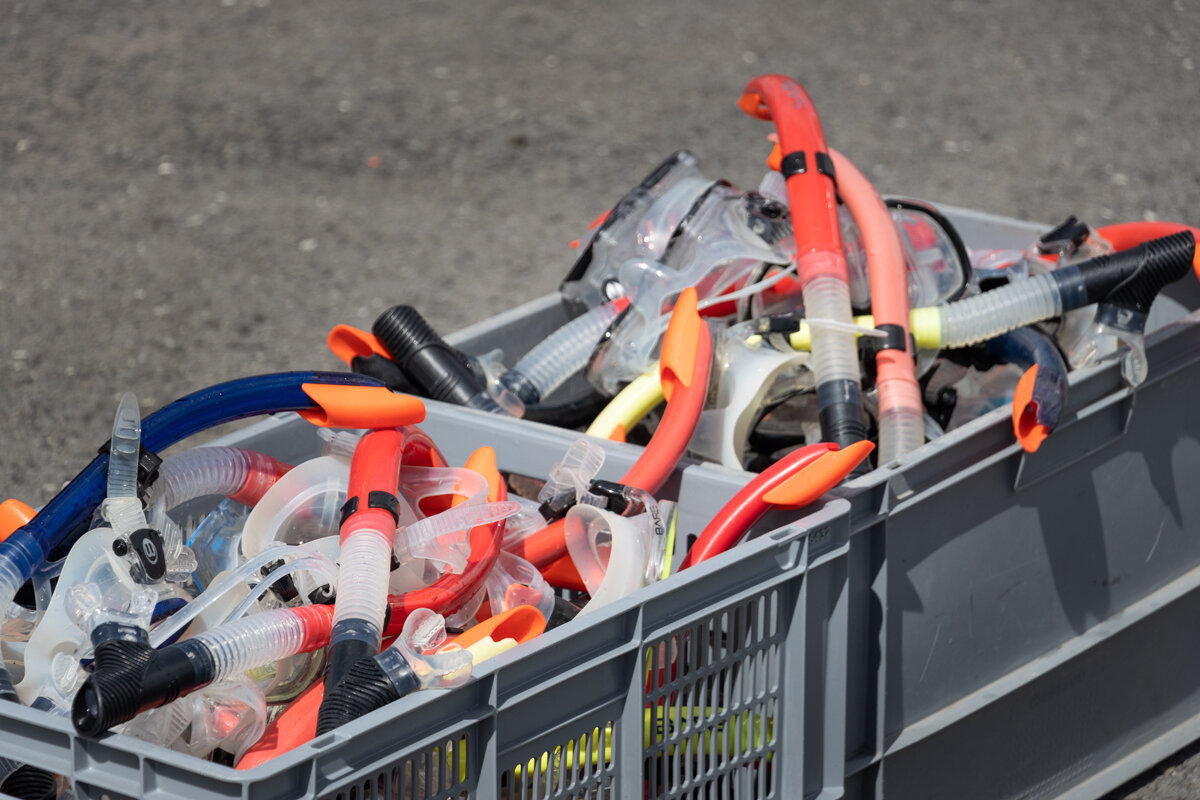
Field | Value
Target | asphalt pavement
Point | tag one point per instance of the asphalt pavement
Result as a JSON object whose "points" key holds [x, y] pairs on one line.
{"points": [[197, 191]]}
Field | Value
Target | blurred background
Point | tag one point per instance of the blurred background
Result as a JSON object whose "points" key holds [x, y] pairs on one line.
{"points": [[197, 191]]}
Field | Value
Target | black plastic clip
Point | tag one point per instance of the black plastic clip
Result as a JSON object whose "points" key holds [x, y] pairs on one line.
{"points": [[1063, 239], [793, 164], [385, 500], [348, 508], [777, 324], [148, 464], [284, 588], [825, 166], [894, 340], [613, 493], [147, 544]]}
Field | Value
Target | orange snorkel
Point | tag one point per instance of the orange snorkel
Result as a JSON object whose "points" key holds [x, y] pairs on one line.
{"points": [[901, 424], [820, 262], [684, 365], [806, 164], [363, 612], [369, 518]]}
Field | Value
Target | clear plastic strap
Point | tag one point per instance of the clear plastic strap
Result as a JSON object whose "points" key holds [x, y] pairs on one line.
{"points": [[846, 327], [418, 483], [442, 537], [121, 506]]}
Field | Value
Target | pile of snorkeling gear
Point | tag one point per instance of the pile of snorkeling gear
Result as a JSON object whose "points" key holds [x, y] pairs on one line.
{"points": [[317, 592], [791, 330]]}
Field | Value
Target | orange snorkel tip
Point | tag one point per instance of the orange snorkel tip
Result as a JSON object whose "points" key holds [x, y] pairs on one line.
{"points": [[13, 514], [751, 102], [814, 480], [1029, 432], [348, 342], [371, 407], [677, 361]]}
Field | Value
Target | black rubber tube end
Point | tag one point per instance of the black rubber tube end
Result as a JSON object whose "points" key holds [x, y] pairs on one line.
{"points": [[435, 368], [840, 412], [403, 331], [343, 655], [131, 676], [364, 688], [104, 700], [30, 783]]}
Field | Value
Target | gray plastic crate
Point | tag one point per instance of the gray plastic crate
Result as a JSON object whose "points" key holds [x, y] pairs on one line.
{"points": [[1033, 613], [727, 680], [1021, 625]]}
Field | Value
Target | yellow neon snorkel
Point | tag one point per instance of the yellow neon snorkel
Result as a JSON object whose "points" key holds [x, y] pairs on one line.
{"points": [[628, 407]]}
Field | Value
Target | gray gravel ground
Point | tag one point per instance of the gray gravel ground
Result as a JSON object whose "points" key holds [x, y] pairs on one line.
{"points": [[197, 191]]}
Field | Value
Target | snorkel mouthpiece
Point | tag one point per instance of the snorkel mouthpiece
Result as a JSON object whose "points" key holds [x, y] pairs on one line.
{"points": [[615, 554]]}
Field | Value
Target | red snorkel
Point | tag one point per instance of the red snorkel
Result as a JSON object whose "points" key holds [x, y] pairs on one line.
{"points": [[820, 262], [794, 481], [369, 520]]}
